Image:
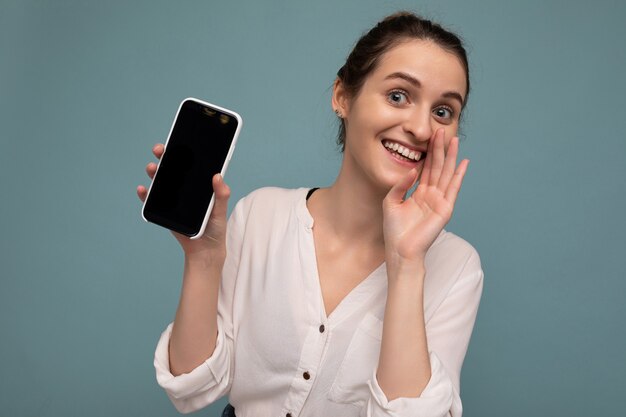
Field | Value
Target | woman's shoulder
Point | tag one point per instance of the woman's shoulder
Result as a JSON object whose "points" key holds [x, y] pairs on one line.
{"points": [[272, 197], [452, 250], [269, 194], [268, 206], [451, 263]]}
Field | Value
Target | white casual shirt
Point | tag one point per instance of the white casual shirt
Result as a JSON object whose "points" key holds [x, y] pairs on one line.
{"points": [[278, 354]]}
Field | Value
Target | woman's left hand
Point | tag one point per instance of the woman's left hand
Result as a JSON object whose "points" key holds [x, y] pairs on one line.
{"points": [[411, 225]]}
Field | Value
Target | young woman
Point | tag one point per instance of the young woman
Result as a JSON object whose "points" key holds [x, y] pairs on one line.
{"points": [[349, 300]]}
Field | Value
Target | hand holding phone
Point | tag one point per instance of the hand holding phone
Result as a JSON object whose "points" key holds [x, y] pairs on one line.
{"points": [[214, 237], [200, 145]]}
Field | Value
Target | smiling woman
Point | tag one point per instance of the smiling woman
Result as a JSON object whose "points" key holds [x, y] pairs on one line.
{"points": [[416, 88], [350, 299]]}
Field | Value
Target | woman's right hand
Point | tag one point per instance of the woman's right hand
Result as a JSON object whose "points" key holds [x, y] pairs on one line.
{"points": [[212, 245]]}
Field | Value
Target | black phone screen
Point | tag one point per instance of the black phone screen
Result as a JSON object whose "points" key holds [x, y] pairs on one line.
{"points": [[196, 150]]}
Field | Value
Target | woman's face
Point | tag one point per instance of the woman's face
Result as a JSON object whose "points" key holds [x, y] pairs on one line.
{"points": [[417, 88]]}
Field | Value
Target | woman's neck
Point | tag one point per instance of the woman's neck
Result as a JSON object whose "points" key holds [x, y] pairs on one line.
{"points": [[351, 208]]}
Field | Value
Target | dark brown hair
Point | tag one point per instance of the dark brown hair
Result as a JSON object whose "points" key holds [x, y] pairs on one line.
{"points": [[388, 33]]}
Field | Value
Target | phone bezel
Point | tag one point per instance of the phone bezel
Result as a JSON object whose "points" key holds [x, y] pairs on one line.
{"points": [[231, 150]]}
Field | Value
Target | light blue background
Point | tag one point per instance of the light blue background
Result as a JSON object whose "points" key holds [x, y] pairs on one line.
{"points": [[86, 88]]}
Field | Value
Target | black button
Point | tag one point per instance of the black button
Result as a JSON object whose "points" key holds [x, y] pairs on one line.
{"points": [[306, 375], [322, 328], [288, 415]]}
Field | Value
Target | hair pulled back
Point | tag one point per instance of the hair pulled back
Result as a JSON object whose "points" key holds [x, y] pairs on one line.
{"points": [[388, 33]]}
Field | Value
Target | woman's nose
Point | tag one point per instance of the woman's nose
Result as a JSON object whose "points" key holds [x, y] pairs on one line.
{"points": [[419, 124]]}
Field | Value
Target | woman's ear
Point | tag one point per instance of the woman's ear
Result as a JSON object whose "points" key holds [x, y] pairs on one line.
{"points": [[340, 100]]}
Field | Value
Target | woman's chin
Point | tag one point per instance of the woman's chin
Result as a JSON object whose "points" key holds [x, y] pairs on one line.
{"points": [[391, 179]]}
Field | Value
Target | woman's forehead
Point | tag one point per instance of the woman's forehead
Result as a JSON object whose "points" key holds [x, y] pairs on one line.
{"points": [[427, 62]]}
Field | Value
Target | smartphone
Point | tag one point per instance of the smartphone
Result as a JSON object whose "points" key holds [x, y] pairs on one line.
{"points": [[200, 144]]}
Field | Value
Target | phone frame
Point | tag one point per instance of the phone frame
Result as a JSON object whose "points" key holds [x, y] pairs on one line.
{"points": [[222, 170]]}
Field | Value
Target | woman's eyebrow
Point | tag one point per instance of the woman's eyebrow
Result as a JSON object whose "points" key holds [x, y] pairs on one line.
{"points": [[454, 95], [407, 77], [416, 83]]}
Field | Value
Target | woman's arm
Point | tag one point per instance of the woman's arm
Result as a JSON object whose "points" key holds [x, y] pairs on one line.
{"points": [[404, 365], [195, 326], [449, 324], [208, 351], [194, 332], [411, 225], [211, 377]]}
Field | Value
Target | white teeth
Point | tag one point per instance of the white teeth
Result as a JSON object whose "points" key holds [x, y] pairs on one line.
{"points": [[406, 152]]}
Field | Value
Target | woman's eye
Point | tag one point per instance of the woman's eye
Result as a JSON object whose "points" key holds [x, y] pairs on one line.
{"points": [[443, 112], [397, 97]]}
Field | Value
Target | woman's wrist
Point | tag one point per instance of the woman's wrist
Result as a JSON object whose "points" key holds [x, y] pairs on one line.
{"points": [[208, 260], [405, 269]]}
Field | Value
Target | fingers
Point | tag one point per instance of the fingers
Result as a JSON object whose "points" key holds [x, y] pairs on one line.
{"points": [[142, 192], [398, 191], [455, 184], [428, 162], [449, 164], [222, 193], [158, 149], [440, 169], [438, 158], [151, 169], [439, 166]]}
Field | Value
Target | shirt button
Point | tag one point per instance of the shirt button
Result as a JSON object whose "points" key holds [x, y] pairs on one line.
{"points": [[306, 375], [322, 328], [288, 415]]}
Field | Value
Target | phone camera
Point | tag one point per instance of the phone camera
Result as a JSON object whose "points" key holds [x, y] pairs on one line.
{"points": [[209, 112]]}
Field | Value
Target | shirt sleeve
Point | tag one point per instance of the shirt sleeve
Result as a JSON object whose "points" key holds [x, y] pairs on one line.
{"points": [[212, 379], [448, 333]]}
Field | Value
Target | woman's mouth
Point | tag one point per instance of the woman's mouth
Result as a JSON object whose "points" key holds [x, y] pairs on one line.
{"points": [[403, 153]]}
